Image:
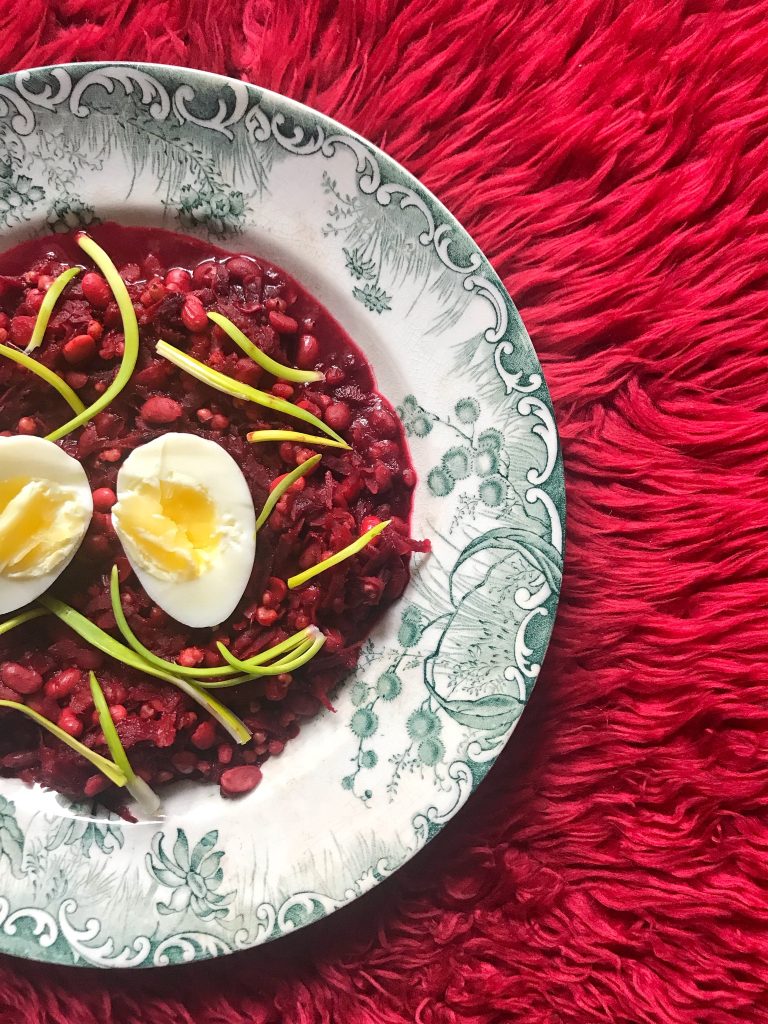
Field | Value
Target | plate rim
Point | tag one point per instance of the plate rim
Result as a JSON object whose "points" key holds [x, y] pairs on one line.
{"points": [[442, 215]]}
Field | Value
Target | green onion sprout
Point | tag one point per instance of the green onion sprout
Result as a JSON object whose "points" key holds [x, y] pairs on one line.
{"points": [[102, 764], [236, 389], [279, 489], [21, 618], [66, 392], [103, 642], [347, 552], [46, 307], [259, 436], [136, 786], [130, 333], [265, 362], [295, 659]]}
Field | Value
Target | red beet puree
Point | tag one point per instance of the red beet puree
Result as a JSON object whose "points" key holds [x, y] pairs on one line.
{"points": [[173, 282]]}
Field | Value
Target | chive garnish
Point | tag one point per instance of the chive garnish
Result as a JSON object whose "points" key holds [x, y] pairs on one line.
{"points": [[347, 552], [259, 436], [265, 362], [236, 389], [279, 489], [102, 764], [136, 786], [180, 670], [46, 307], [102, 641], [66, 392], [295, 659], [130, 333], [21, 618]]}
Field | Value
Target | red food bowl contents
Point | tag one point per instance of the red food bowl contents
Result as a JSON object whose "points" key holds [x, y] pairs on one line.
{"points": [[173, 282]]}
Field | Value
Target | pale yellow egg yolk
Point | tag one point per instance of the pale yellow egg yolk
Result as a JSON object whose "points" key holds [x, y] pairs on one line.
{"points": [[171, 528], [40, 521]]}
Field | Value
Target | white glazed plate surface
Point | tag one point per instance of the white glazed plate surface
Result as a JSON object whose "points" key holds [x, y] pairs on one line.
{"points": [[445, 676]]}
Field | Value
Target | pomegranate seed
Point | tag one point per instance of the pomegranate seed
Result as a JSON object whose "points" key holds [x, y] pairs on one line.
{"points": [[160, 409], [190, 657], [96, 290], [95, 785], [224, 753], [178, 280], [63, 683], [204, 415], [21, 329], [95, 330], [79, 349], [368, 523], [266, 616], [219, 422], [282, 323], [193, 314], [338, 416], [240, 780], [282, 390], [19, 678], [103, 499], [204, 736], [307, 352], [27, 425], [70, 723], [118, 712]]}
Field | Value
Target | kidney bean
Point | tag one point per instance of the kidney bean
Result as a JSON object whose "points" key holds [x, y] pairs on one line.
{"points": [[240, 780], [282, 323], [19, 678], [193, 314], [96, 291], [160, 409], [21, 329], [27, 425], [338, 416], [307, 352], [70, 723], [79, 349], [204, 736]]}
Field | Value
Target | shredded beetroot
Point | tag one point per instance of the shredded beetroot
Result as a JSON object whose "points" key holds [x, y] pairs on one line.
{"points": [[173, 282]]}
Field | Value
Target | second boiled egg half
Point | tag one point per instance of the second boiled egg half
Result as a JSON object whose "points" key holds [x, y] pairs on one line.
{"points": [[186, 520]]}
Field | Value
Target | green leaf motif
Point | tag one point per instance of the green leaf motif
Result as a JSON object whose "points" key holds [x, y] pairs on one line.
{"points": [[11, 837], [373, 298], [495, 713], [359, 267]]}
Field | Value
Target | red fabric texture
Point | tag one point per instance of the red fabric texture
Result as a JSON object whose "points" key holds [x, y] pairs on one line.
{"points": [[612, 160]]}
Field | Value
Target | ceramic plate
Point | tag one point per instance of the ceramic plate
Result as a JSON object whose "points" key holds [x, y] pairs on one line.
{"points": [[444, 678]]}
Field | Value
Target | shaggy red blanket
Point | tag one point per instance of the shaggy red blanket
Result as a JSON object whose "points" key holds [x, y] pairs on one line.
{"points": [[612, 160]]}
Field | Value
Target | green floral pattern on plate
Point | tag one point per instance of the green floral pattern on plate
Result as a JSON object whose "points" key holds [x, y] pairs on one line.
{"points": [[444, 678]]}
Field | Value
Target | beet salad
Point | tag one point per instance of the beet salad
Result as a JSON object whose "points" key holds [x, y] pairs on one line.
{"points": [[204, 509]]}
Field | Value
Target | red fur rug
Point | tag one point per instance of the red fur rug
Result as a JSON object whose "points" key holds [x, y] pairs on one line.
{"points": [[612, 159]]}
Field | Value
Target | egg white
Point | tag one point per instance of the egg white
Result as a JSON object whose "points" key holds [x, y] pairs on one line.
{"points": [[34, 458], [212, 596]]}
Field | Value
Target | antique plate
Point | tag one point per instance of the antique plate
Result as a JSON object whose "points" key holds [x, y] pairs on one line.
{"points": [[445, 677]]}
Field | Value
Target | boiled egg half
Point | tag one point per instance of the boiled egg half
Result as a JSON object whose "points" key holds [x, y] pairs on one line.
{"points": [[185, 518], [45, 509]]}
